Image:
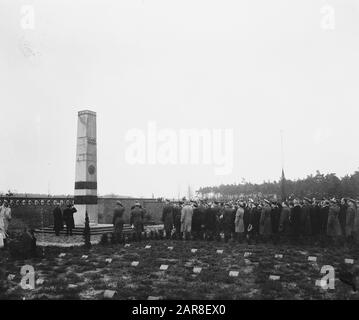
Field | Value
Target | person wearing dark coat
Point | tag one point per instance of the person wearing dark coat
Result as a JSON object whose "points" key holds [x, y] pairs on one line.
{"points": [[58, 219], [196, 222], [228, 222], [246, 218], [118, 220], [177, 220], [284, 223], [265, 223], [255, 217], [305, 226], [210, 222], [136, 220], [167, 219], [68, 216], [295, 216], [275, 217], [324, 212], [315, 218], [342, 215]]}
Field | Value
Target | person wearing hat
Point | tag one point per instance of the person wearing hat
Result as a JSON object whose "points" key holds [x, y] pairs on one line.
{"points": [[239, 223], [118, 220], [305, 226], [210, 221], [284, 223], [350, 220], [58, 219], [333, 227], [295, 219], [177, 207], [265, 223], [68, 216], [314, 213], [167, 218], [196, 221], [228, 221], [136, 219], [342, 214], [5, 217], [275, 217], [186, 220]]}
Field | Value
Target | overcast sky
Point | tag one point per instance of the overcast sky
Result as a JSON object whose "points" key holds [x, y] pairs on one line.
{"points": [[252, 66]]}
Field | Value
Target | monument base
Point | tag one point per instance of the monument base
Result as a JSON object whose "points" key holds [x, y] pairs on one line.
{"points": [[80, 215]]}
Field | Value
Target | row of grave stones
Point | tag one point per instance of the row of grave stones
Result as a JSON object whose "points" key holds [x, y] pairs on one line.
{"points": [[108, 294]]}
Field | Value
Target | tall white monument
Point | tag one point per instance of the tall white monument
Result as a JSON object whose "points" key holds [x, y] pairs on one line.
{"points": [[85, 197]]}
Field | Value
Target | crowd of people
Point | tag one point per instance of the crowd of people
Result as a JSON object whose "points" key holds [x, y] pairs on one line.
{"points": [[295, 220]]}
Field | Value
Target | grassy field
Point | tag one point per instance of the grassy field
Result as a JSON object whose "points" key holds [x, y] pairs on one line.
{"points": [[74, 277]]}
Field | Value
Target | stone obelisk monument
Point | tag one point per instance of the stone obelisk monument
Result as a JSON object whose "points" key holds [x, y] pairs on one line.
{"points": [[85, 197]]}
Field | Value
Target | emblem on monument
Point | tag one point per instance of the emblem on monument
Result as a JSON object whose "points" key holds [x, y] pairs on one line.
{"points": [[91, 169]]}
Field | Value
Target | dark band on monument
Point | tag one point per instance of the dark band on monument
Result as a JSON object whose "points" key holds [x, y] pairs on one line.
{"points": [[85, 200], [85, 185]]}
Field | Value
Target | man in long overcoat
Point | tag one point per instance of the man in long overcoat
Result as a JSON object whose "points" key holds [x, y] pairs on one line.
{"points": [[58, 219], [68, 216], [186, 220], [265, 223], [118, 220], [136, 219], [350, 220], [228, 221], [284, 223], [333, 229], [167, 218], [210, 221], [177, 219], [239, 223], [305, 226]]}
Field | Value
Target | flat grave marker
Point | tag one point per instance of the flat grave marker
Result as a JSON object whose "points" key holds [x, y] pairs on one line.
{"points": [[40, 281], [148, 247], [349, 261], [170, 248], [274, 278], [193, 250], [219, 251], [127, 245], [109, 294], [233, 273], [197, 270], [134, 263], [278, 256], [312, 258], [108, 260], [11, 277], [84, 256], [61, 255], [164, 267], [153, 298], [247, 254]]}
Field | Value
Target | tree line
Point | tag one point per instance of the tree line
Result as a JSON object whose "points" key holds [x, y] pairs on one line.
{"points": [[313, 186]]}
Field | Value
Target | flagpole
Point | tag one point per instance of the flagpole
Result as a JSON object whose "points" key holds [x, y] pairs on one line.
{"points": [[283, 176], [282, 149]]}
